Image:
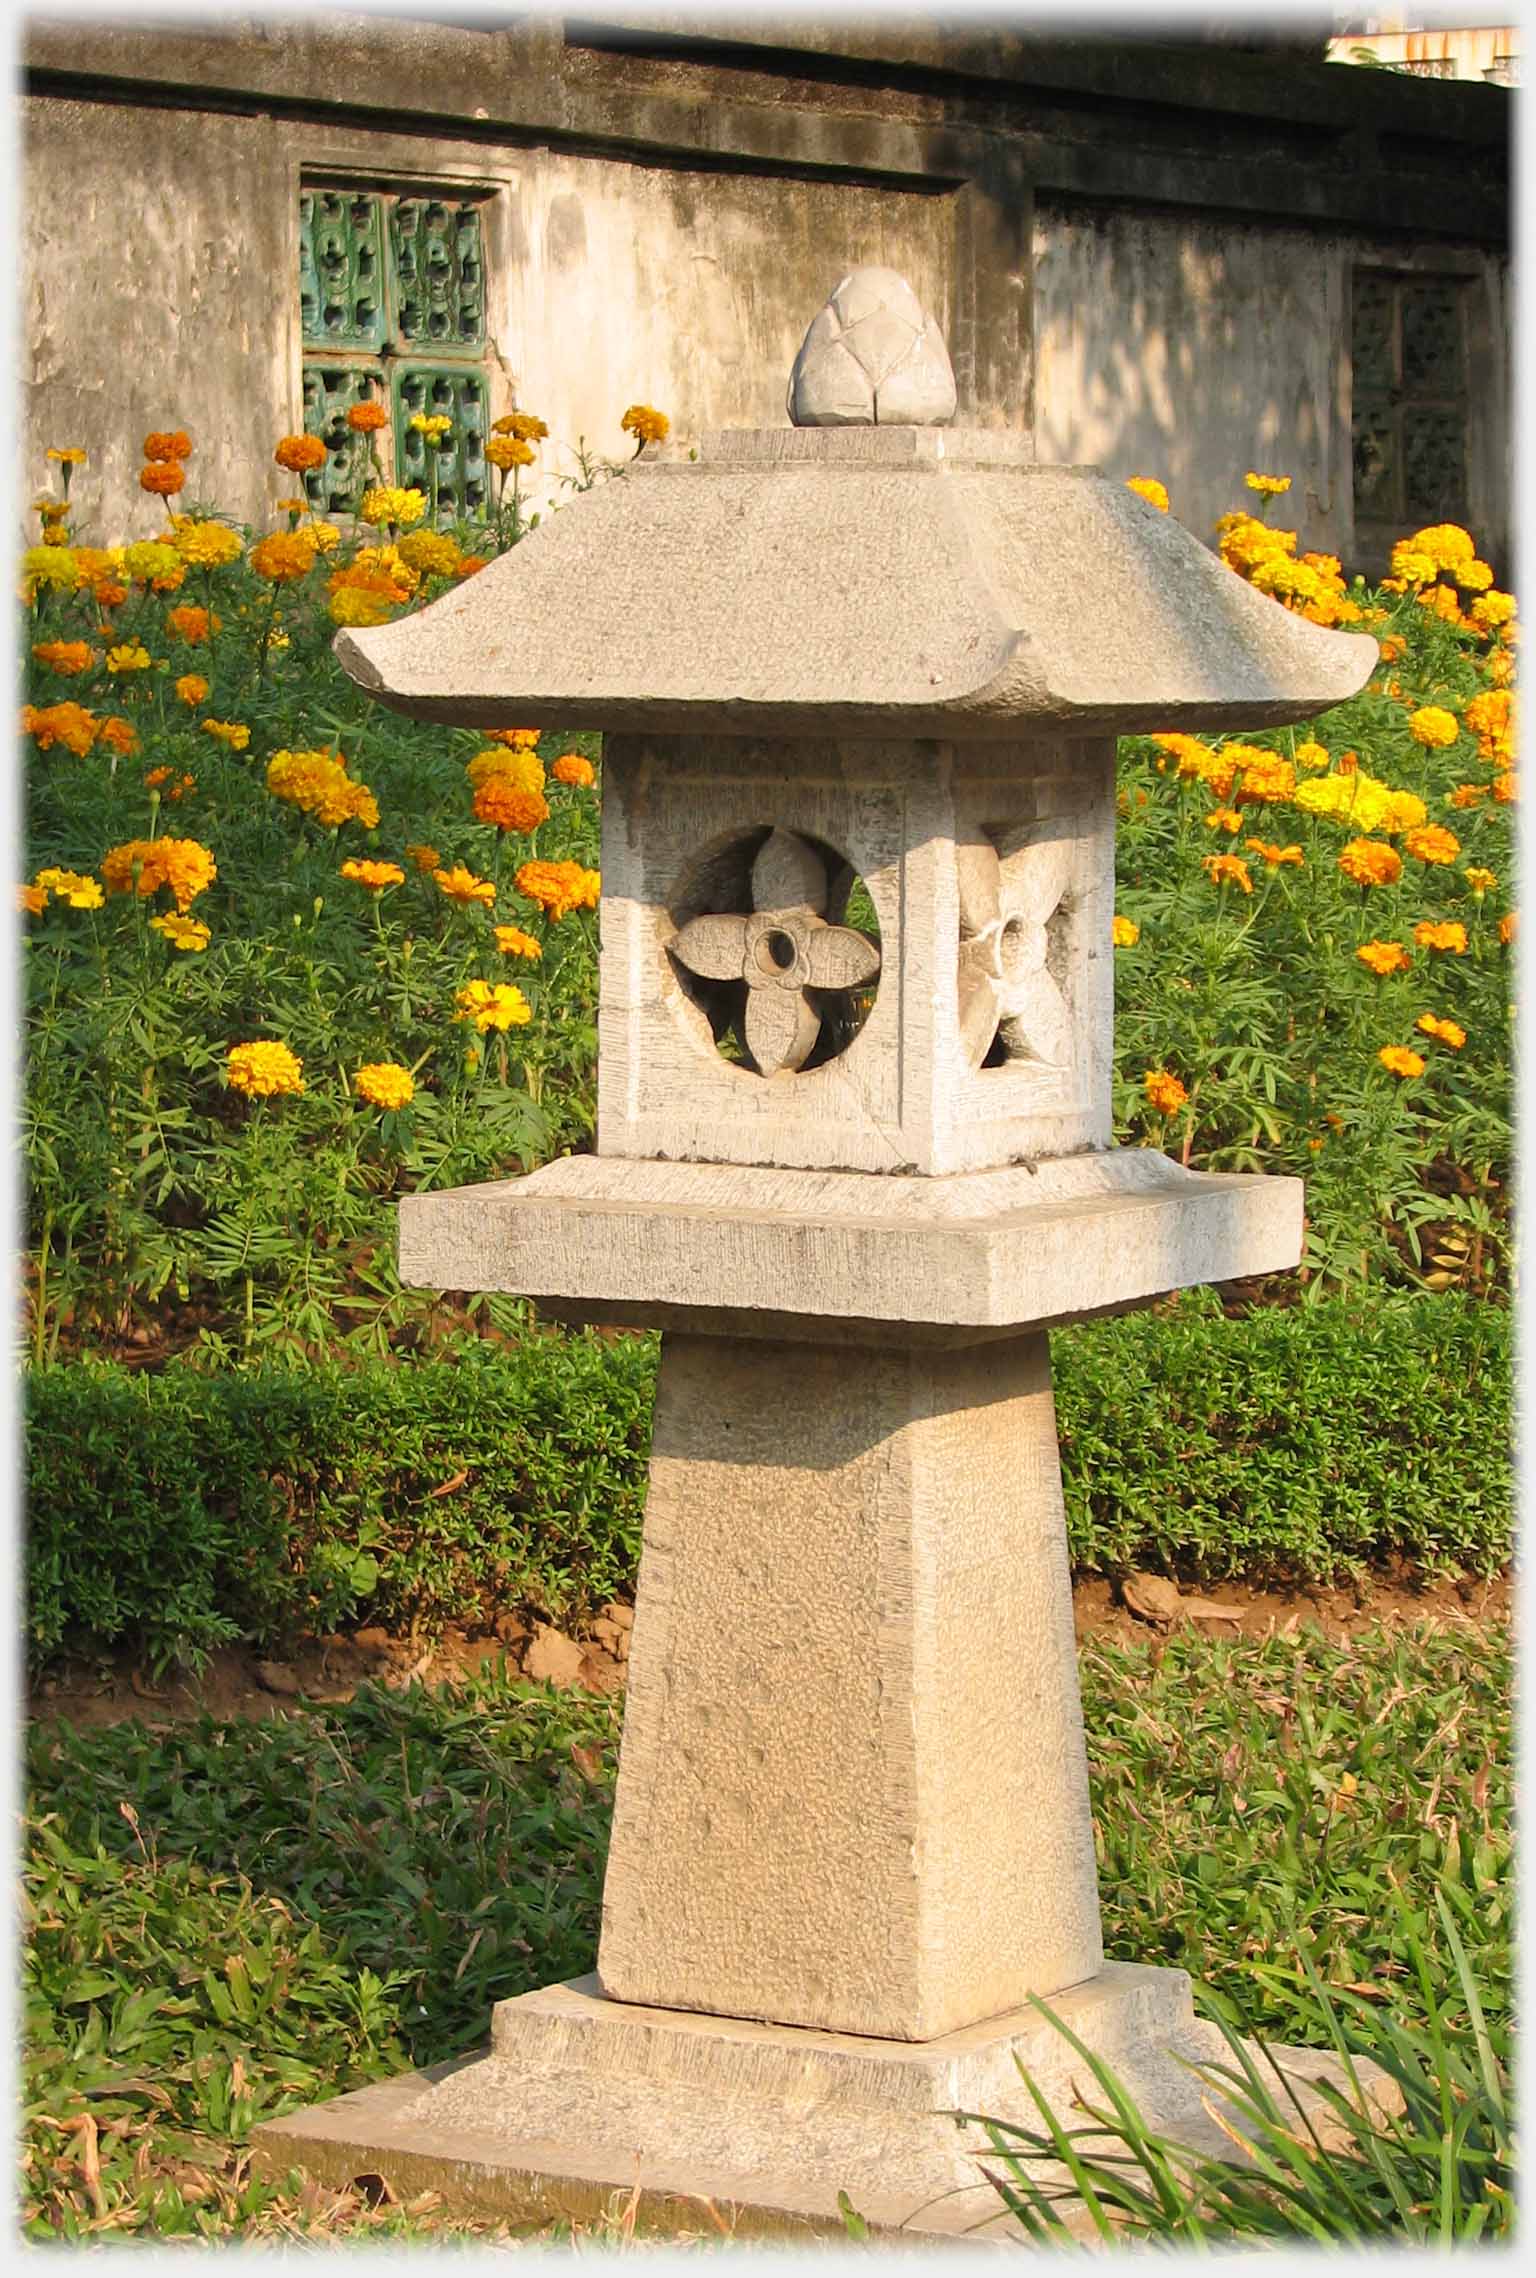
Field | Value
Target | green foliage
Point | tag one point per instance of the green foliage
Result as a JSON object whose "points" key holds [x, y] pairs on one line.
{"points": [[386, 1869]]}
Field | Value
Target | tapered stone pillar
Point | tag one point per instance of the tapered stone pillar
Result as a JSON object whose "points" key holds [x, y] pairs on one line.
{"points": [[860, 680]]}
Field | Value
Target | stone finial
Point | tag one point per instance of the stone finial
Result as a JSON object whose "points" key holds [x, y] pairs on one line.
{"points": [[873, 357]]}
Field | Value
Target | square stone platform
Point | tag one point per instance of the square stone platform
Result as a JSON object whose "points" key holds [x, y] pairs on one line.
{"points": [[583, 2106]]}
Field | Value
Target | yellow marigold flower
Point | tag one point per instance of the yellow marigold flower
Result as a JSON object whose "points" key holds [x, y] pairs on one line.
{"points": [[430, 553], [1509, 926], [500, 803], [168, 447], [645, 424], [522, 424], [1433, 727], [1370, 862], [128, 657], [1268, 486], [284, 556], [1164, 1092], [389, 503], [508, 451], [1446, 544], [1473, 577], [1222, 819], [191, 624], [317, 783], [1399, 1061], [424, 857], [1149, 488], [1311, 755], [262, 1071], [461, 885], [207, 545], [152, 558], [1449, 935], [436, 426], [191, 688], [68, 724], [1278, 857], [1432, 842], [66, 658], [300, 454], [235, 733], [1384, 957], [1444, 1031], [559, 887], [1353, 797], [74, 887], [324, 536], [358, 605], [522, 768], [1125, 933], [1492, 609], [70, 456], [513, 942], [571, 768], [144, 865], [499, 1004], [1479, 880], [384, 1083], [31, 900], [374, 875], [189, 934], [162, 478], [1228, 869], [367, 418], [47, 565]]}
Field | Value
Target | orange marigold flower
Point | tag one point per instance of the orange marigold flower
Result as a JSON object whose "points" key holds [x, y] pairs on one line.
{"points": [[163, 478], [513, 942], [645, 424], [1466, 795], [1393, 646], [515, 739], [522, 424], [1399, 1061], [1444, 1031], [571, 768], [191, 688], [1264, 774], [168, 447], [1228, 869], [470, 565], [384, 1083], [300, 454], [424, 857], [1278, 857], [502, 803], [1505, 788], [507, 451], [142, 866], [461, 885], [1384, 957], [284, 556], [32, 900], [1509, 926], [367, 418], [263, 1071], [118, 735], [1432, 842], [191, 624], [374, 875], [559, 887], [68, 724], [1164, 1092], [1223, 819], [1449, 934], [1371, 862], [67, 658]]}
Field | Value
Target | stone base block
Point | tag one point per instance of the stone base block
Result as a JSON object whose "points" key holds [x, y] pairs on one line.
{"points": [[585, 2108]]}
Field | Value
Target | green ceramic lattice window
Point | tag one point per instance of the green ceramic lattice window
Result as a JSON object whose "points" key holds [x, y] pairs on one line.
{"points": [[392, 305], [1409, 356]]}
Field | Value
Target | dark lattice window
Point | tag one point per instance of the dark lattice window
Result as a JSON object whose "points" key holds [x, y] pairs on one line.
{"points": [[392, 303], [1409, 354]]}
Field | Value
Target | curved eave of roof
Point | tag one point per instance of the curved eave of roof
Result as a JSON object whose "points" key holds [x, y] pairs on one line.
{"points": [[919, 600]]}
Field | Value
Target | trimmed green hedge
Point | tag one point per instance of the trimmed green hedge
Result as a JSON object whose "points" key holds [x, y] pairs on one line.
{"points": [[179, 1510]]}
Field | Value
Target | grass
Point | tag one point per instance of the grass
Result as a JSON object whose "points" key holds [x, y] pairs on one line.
{"points": [[226, 1921]]}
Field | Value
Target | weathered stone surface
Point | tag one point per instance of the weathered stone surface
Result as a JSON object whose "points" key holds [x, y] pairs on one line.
{"points": [[985, 1250], [872, 357]]}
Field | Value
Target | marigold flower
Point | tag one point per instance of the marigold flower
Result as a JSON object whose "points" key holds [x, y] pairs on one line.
{"points": [[301, 454], [1384, 957], [207, 545], [524, 769], [128, 657], [1505, 788], [162, 479], [317, 783], [513, 942], [435, 426], [189, 934], [1125, 933], [1466, 795], [1509, 926], [66, 658], [284, 556], [68, 724], [47, 565], [389, 503], [1399, 1061], [263, 1071], [168, 447], [1149, 488], [1479, 880], [1393, 646], [1492, 609], [142, 866], [522, 424], [73, 887], [374, 875], [70, 456], [1434, 727], [645, 424], [470, 565], [191, 688], [461, 885], [1432, 842], [507, 451], [1449, 935], [1164, 1092], [559, 887], [360, 605], [1370, 862], [118, 735], [571, 768], [430, 553], [367, 418], [1222, 819], [499, 802], [424, 857], [1444, 1031], [323, 536], [31, 900], [235, 733], [384, 1083], [499, 1004], [515, 739], [149, 560], [1228, 869], [1278, 857], [1268, 486], [1311, 755]]}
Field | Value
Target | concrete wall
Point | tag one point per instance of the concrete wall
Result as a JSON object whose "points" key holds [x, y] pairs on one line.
{"points": [[1194, 349]]}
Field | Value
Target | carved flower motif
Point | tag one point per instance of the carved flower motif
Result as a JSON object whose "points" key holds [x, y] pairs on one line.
{"points": [[784, 950], [1006, 988]]}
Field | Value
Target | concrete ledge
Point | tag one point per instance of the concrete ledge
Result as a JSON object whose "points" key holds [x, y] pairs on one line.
{"points": [[717, 1246]]}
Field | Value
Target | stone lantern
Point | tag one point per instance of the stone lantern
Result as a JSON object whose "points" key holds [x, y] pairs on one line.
{"points": [[860, 681]]}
